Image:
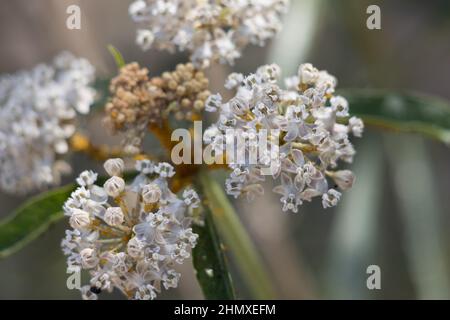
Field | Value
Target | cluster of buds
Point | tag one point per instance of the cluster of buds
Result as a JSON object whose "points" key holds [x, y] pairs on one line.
{"points": [[37, 117], [312, 126], [129, 237], [139, 101], [212, 31]]}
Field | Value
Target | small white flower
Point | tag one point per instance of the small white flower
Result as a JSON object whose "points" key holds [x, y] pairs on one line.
{"points": [[331, 198], [170, 279], [145, 292], [87, 178], [145, 39], [114, 167], [114, 216], [290, 194], [151, 193], [88, 258], [213, 102], [307, 74], [114, 186], [135, 248], [87, 294], [137, 8], [234, 80], [165, 170], [340, 106], [269, 72], [356, 126], [145, 166], [191, 198]]}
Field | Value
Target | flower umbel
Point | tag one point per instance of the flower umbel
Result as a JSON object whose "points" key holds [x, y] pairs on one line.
{"points": [[38, 109], [314, 134], [212, 31], [129, 237]]}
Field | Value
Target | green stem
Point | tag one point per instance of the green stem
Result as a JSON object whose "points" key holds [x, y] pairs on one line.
{"points": [[237, 239]]}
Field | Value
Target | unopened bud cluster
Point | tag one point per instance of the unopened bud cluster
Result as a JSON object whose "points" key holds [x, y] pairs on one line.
{"points": [[139, 101]]}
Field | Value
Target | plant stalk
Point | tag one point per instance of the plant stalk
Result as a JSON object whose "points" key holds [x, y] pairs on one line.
{"points": [[236, 239]]}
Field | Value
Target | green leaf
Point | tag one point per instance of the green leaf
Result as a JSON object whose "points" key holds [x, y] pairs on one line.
{"points": [[118, 58], [32, 219], [35, 216], [210, 264], [408, 112], [236, 238]]}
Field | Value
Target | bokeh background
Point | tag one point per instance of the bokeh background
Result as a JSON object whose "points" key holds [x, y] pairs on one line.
{"points": [[398, 212]]}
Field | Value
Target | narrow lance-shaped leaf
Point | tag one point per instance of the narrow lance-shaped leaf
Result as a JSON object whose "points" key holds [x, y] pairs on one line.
{"points": [[35, 216], [210, 263], [118, 58], [236, 239], [32, 219], [408, 112]]}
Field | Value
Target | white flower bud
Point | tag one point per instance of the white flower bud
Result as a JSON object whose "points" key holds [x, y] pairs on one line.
{"points": [[88, 258], [114, 216], [87, 178], [145, 39], [307, 74], [343, 178], [61, 146], [356, 126], [340, 106], [114, 167], [137, 8], [269, 72], [114, 186], [234, 80], [80, 219], [151, 193]]}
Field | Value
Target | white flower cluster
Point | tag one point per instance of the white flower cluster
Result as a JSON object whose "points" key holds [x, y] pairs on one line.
{"points": [[313, 127], [37, 112], [212, 31], [129, 237]]}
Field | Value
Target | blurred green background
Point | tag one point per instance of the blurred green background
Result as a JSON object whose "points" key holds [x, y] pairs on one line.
{"points": [[398, 212]]}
